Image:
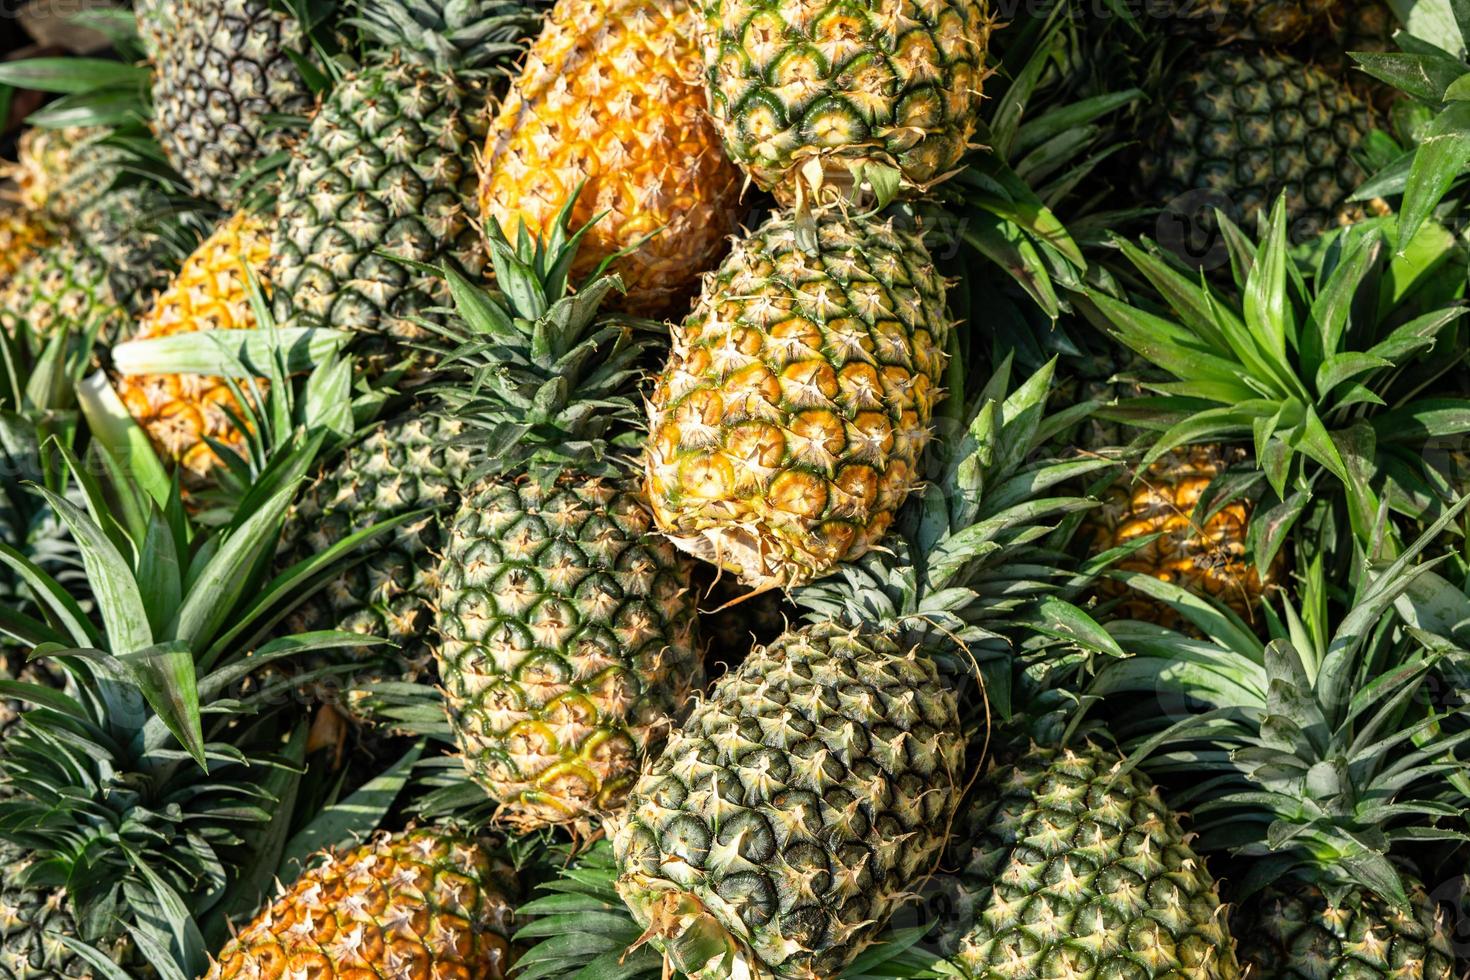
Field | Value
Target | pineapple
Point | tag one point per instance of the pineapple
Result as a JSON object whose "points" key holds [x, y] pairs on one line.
{"points": [[155, 22], [425, 903], [567, 626], [1205, 554], [609, 98], [807, 796], [221, 70], [1248, 125], [60, 171], [31, 921], [828, 96], [795, 808], [1074, 867], [180, 411], [22, 235], [387, 166], [1287, 933], [95, 185], [130, 228], [409, 463], [786, 429], [63, 288], [1275, 22], [568, 643]]}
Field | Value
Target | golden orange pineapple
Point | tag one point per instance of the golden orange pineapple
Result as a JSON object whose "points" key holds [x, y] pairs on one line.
{"points": [[422, 905], [1207, 558], [180, 410], [786, 430], [22, 234], [611, 95]]}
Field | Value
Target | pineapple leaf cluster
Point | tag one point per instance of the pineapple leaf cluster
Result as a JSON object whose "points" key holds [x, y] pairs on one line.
{"points": [[541, 375], [987, 538], [1320, 370], [1318, 753], [464, 36], [138, 783], [1430, 68]]}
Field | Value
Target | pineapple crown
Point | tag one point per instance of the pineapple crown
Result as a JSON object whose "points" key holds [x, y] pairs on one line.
{"points": [[1324, 381], [464, 36], [1313, 754], [970, 559], [543, 379]]}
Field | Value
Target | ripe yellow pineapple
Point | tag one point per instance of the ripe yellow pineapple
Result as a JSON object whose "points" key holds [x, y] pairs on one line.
{"points": [[59, 172], [785, 431], [818, 93], [424, 904], [1207, 557], [609, 96], [180, 410]]}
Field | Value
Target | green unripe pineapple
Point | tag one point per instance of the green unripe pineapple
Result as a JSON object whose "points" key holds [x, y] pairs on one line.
{"points": [[566, 624], [30, 922], [568, 631], [388, 165], [62, 288], [1293, 931], [221, 69], [1246, 125], [796, 808], [404, 465], [1072, 868]]}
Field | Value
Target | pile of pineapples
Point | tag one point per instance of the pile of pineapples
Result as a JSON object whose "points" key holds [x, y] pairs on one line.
{"points": [[741, 489]]}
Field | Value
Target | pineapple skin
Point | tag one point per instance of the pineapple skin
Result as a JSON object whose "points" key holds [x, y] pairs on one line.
{"points": [[567, 643], [796, 809], [423, 904], [1267, 21], [60, 171], [1208, 558], [404, 465], [22, 234], [123, 226], [1070, 869], [609, 98], [30, 922], [1250, 124], [386, 164], [63, 288], [842, 86], [74, 179], [220, 68], [1292, 931], [178, 411], [785, 430]]}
